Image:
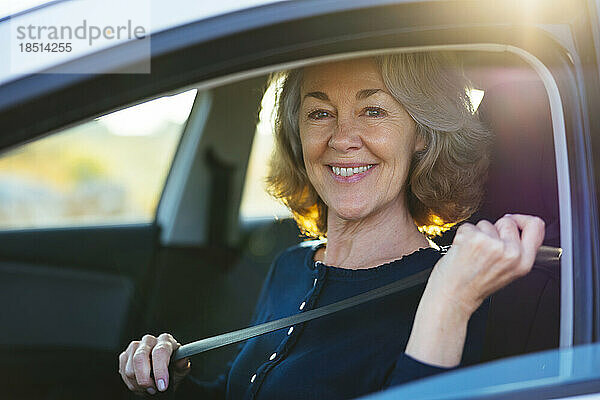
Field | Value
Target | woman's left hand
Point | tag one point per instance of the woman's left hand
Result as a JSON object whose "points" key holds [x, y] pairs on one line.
{"points": [[483, 258]]}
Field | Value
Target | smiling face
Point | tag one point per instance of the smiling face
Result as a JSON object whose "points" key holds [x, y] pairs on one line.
{"points": [[357, 140]]}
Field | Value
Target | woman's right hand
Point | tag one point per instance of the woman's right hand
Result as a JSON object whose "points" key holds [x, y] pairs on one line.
{"points": [[144, 365]]}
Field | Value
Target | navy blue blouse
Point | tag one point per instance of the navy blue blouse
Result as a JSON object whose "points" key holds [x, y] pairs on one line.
{"points": [[344, 355]]}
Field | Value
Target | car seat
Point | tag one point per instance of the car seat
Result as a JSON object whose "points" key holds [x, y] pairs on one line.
{"points": [[524, 316]]}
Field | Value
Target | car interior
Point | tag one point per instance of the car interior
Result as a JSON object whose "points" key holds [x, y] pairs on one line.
{"points": [[81, 294]]}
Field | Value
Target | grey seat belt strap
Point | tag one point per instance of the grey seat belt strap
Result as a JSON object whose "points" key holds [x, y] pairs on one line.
{"points": [[546, 255], [214, 342]]}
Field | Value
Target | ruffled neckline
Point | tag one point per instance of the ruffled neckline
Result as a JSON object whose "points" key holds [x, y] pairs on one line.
{"points": [[371, 272]]}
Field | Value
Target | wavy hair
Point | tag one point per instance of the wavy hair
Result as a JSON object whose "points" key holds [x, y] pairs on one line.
{"points": [[445, 180]]}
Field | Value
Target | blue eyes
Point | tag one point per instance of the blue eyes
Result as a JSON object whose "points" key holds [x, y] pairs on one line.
{"points": [[319, 114], [375, 112], [372, 112]]}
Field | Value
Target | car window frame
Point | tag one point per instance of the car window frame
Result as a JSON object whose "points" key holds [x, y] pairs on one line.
{"points": [[559, 136]]}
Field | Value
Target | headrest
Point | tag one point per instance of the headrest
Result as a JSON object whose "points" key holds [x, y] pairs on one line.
{"points": [[522, 176]]}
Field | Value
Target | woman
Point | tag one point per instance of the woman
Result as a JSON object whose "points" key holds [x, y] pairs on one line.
{"points": [[367, 150]]}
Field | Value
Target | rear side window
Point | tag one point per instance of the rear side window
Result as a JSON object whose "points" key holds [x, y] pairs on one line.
{"points": [[110, 170], [256, 203]]}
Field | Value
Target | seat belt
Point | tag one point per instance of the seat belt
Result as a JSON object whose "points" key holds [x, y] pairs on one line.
{"points": [[546, 255]]}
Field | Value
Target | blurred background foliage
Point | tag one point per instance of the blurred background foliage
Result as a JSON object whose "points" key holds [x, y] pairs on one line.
{"points": [[112, 170], [108, 170]]}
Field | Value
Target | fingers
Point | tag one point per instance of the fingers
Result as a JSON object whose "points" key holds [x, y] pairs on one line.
{"points": [[485, 257], [518, 249], [161, 356], [487, 228], [508, 232], [533, 230], [126, 367], [142, 364], [507, 229]]}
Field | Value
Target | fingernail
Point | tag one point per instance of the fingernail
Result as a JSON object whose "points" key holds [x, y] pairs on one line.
{"points": [[151, 390], [161, 385]]}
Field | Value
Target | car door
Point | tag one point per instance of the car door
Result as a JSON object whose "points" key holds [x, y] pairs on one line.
{"points": [[79, 236]]}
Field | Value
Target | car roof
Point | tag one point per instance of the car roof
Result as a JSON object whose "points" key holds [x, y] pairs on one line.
{"points": [[168, 15], [164, 15]]}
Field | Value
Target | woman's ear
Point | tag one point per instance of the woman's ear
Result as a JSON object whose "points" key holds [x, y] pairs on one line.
{"points": [[420, 143]]}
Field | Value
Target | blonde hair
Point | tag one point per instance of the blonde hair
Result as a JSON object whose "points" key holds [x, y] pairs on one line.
{"points": [[445, 181]]}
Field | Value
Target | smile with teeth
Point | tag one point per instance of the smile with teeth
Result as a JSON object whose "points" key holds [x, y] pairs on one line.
{"points": [[350, 171]]}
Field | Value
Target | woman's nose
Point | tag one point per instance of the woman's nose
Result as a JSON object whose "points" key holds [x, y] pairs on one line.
{"points": [[346, 137]]}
